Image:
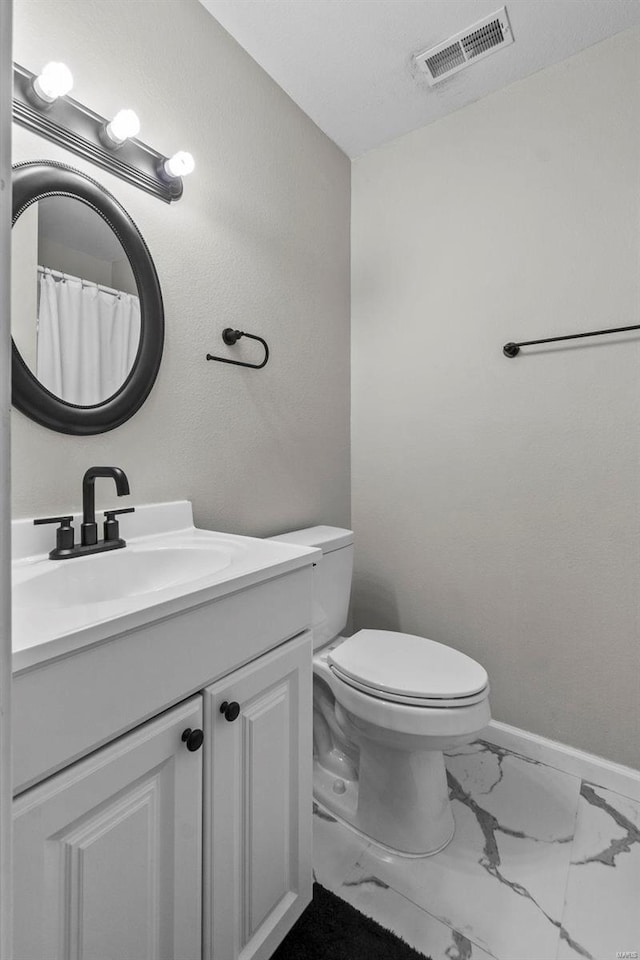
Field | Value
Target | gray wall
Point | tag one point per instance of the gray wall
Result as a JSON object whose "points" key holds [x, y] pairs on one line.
{"points": [[259, 241], [77, 263], [496, 501]]}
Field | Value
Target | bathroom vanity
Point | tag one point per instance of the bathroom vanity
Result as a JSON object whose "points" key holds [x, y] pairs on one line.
{"points": [[162, 744]]}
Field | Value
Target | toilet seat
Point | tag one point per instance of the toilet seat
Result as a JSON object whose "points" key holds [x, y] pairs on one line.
{"points": [[406, 669], [433, 702]]}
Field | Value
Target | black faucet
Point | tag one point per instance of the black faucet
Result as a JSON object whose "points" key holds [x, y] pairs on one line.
{"points": [[89, 528], [89, 543]]}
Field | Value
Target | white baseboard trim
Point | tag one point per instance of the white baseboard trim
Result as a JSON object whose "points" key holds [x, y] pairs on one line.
{"points": [[578, 763]]}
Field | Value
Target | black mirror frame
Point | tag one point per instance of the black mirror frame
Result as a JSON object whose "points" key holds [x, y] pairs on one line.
{"points": [[32, 181]]}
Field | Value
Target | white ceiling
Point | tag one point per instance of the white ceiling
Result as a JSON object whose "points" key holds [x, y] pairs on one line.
{"points": [[348, 63]]}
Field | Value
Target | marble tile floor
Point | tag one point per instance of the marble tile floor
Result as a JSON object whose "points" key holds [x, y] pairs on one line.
{"points": [[543, 866]]}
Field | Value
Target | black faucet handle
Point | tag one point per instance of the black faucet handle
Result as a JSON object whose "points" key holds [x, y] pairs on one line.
{"points": [[65, 536], [111, 525], [110, 514], [64, 521]]}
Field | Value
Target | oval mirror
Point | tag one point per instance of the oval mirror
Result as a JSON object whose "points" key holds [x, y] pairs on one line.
{"points": [[87, 316]]}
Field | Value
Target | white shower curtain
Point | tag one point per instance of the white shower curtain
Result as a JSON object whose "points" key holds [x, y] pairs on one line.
{"points": [[87, 339]]}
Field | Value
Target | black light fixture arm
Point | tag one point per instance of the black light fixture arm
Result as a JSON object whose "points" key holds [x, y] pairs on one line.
{"points": [[231, 336], [513, 349]]}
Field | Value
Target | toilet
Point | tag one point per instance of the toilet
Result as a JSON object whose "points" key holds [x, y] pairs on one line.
{"points": [[386, 706]]}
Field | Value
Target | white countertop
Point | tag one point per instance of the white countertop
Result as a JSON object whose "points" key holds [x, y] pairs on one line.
{"points": [[47, 628]]}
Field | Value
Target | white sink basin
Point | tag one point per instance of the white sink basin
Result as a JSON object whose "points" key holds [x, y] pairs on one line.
{"points": [[167, 566], [129, 572]]}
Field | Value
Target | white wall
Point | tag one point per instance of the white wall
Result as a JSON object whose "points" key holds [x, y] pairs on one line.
{"points": [[495, 501], [259, 241]]}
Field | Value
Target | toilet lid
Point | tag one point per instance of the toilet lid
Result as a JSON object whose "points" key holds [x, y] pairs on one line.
{"points": [[403, 665]]}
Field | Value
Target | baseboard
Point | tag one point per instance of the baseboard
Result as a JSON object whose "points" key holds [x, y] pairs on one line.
{"points": [[578, 763]]}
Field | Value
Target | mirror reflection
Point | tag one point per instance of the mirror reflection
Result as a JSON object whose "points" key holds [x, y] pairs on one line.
{"points": [[75, 305]]}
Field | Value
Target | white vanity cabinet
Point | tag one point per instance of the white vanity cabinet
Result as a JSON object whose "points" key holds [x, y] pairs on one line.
{"points": [[257, 823], [108, 853], [133, 853], [128, 845]]}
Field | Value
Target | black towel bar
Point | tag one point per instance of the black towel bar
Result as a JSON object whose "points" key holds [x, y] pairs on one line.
{"points": [[513, 349]]}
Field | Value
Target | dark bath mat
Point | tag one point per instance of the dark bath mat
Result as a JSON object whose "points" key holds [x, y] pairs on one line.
{"points": [[331, 929]]}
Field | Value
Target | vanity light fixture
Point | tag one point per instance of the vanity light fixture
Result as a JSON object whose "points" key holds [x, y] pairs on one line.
{"points": [[179, 165], [54, 80], [124, 125], [41, 104]]}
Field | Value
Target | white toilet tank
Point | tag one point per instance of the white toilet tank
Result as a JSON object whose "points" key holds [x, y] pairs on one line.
{"points": [[332, 578]]}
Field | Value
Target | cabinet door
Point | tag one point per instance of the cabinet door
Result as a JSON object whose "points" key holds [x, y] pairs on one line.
{"points": [[257, 821], [107, 854]]}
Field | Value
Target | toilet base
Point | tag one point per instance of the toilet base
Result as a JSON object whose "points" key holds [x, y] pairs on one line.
{"points": [[337, 796], [379, 764], [406, 829]]}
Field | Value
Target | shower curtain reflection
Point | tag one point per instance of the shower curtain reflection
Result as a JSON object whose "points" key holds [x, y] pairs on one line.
{"points": [[88, 337]]}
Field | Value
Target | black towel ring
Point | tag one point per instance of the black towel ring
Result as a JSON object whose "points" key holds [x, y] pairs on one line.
{"points": [[230, 337]]}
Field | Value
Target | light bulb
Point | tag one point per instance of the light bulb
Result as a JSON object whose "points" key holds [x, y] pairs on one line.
{"points": [[125, 124], [55, 80], [180, 164]]}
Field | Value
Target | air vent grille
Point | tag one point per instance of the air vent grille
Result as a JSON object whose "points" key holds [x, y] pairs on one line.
{"points": [[446, 60], [456, 53], [482, 40]]}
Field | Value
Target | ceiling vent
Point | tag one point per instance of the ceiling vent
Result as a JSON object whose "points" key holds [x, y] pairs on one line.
{"points": [[460, 51]]}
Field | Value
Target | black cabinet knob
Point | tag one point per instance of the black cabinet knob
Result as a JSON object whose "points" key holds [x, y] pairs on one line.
{"points": [[231, 711], [193, 739]]}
